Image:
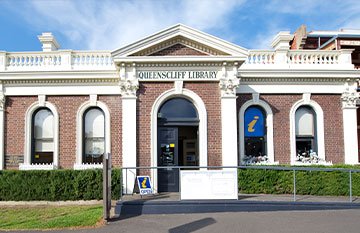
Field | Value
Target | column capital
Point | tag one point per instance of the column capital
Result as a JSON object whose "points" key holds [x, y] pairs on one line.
{"points": [[350, 95], [228, 86], [129, 87]]}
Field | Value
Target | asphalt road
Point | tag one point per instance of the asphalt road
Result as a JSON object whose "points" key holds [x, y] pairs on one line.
{"points": [[317, 221]]}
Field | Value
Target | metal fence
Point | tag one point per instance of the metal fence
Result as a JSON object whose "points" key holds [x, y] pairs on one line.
{"points": [[134, 171]]}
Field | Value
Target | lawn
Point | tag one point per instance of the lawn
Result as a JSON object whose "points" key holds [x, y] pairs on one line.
{"points": [[50, 217]]}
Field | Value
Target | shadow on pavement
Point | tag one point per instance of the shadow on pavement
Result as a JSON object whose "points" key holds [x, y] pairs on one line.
{"points": [[192, 226]]}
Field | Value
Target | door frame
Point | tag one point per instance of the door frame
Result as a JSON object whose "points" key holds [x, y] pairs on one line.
{"points": [[202, 137]]}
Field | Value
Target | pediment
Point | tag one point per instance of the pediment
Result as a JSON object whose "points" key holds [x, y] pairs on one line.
{"points": [[180, 40]]}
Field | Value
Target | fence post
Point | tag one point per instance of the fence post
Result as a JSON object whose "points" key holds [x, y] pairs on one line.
{"points": [[294, 184], [107, 185], [350, 186]]}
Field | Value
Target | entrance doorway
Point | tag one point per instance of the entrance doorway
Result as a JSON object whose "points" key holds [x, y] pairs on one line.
{"points": [[177, 141]]}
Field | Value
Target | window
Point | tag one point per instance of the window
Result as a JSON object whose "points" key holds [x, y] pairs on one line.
{"points": [[255, 135], [177, 110], [305, 131], [42, 137], [94, 136]]}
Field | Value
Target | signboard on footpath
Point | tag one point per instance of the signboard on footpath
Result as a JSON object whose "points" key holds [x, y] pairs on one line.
{"points": [[144, 185]]}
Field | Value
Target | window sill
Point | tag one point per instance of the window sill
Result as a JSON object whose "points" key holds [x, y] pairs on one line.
{"points": [[33, 166], [297, 163], [84, 166]]}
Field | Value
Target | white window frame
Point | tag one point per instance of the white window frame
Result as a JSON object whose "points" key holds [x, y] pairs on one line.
{"points": [[255, 101], [27, 165], [79, 165], [319, 127]]}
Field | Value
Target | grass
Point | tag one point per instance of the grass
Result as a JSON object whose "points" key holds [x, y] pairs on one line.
{"points": [[49, 217]]}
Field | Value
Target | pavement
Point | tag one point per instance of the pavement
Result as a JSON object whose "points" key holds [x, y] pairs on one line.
{"points": [[269, 218]]}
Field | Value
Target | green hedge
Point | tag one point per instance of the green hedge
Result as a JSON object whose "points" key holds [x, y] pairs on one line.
{"points": [[55, 185], [334, 183]]}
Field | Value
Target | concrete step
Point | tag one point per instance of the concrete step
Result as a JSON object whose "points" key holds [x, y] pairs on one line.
{"points": [[138, 207]]}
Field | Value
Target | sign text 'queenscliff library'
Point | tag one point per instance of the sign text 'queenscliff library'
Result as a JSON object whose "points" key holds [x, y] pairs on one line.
{"points": [[177, 75]]}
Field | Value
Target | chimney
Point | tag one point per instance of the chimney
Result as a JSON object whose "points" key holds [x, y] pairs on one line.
{"points": [[48, 42]]}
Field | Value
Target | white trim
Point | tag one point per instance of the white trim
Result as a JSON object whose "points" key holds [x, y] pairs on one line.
{"points": [[319, 128], [202, 138], [269, 128], [28, 129], [2, 138], [79, 131], [186, 32], [297, 88]]}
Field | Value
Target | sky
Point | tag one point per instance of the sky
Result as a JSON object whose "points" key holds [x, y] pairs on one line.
{"points": [[112, 24]]}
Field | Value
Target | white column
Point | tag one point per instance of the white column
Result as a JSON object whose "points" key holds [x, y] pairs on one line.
{"points": [[349, 98], [128, 86], [350, 135], [129, 142], [2, 125], [229, 131], [228, 84]]}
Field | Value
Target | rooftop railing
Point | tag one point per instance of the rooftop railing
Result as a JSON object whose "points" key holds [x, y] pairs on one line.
{"points": [[299, 59], [64, 60], [61, 60]]}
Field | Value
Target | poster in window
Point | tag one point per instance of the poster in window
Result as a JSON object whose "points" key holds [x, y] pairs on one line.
{"points": [[254, 123]]}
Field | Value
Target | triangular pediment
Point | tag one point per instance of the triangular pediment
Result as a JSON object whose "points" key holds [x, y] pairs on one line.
{"points": [[180, 40]]}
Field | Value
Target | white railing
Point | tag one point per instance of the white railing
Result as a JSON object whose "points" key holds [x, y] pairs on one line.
{"points": [[299, 59], [33, 59], [313, 57], [56, 61], [99, 59], [261, 57]]}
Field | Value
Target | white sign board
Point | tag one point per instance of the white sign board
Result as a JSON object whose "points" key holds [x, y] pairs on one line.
{"points": [[200, 185], [173, 75]]}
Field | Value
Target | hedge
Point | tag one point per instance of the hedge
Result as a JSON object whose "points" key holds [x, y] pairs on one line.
{"points": [[55, 185], [334, 183], [61, 185]]}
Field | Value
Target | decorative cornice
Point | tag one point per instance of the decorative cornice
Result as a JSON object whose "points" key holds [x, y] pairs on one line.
{"points": [[181, 64], [282, 80], [129, 87], [57, 81]]}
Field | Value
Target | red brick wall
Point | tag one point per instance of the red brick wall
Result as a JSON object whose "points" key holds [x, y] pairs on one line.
{"points": [[14, 129], [67, 107], [178, 50], [333, 126], [149, 92], [281, 105]]}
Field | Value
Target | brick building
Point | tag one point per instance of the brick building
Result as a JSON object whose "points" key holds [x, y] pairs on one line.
{"points": [[179, 97]]}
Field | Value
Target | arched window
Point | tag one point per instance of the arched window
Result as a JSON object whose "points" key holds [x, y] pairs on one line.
{"points": [[255, 135], [305, 131], [42, 137], [93, 136], [177, 110]]}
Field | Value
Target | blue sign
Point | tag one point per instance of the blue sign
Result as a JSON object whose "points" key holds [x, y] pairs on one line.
{"points": [[254, 124], [144, 185]]}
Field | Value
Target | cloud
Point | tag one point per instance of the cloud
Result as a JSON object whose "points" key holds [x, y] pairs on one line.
{"points": [[108, 24]]}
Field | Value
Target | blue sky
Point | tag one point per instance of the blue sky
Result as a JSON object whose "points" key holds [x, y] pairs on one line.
{"points": [[108, 25]]}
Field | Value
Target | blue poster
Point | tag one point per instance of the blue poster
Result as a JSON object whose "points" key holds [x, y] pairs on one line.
{"points": [[254, 122]]}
